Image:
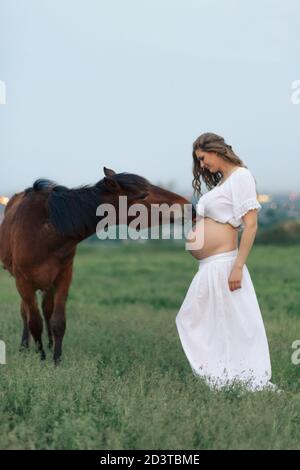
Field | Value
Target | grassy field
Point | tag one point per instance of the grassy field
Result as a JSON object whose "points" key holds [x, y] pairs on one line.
{"points": [[125, 382]]}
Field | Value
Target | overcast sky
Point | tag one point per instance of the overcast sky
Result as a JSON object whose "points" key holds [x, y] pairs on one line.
{"points": [[131, 84]]}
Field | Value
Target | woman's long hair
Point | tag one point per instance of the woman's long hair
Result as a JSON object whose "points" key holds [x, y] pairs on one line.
{"points": [[210, 142]]}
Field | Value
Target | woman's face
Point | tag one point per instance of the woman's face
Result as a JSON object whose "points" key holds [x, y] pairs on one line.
{"points": [[208, 160]]}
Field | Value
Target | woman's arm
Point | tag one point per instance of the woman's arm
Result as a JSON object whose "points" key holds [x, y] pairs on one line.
{"points": [[246, 243]]}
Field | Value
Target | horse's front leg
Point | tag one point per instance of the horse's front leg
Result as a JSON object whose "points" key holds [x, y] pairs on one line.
{"points": [[58, 318]]}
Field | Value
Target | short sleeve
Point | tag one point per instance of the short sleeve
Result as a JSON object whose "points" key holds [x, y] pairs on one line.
{"points": [[244, 196]]}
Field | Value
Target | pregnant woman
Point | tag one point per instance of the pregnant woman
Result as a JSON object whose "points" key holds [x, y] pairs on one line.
{"points": [[219, 323]]}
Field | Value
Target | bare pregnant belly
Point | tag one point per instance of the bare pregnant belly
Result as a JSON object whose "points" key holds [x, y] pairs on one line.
{"points": [[209, 237]]}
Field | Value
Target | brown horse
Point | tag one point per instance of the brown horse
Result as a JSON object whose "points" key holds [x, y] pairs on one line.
{"points": [[39, 235]]}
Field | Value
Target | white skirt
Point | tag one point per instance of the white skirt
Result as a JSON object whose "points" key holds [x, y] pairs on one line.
{"points": [[221, 331]]}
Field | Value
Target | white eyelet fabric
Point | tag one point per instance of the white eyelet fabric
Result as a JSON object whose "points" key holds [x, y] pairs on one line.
{"points": [[231, 200]]}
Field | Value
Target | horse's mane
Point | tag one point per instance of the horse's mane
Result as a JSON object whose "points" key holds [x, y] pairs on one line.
{"points": [[73, 211], [130, 181]]}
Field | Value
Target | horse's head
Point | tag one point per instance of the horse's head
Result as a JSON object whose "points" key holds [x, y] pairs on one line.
{"points": [[140, 191]]}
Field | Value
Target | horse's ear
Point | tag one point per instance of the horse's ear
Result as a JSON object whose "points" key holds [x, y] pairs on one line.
{"points": [[111, 184], [108, 171]]}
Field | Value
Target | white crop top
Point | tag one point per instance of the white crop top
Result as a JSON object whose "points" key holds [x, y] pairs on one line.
{"points": [[229, 201]]}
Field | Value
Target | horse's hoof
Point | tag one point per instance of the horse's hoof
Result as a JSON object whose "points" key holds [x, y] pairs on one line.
{"points": [[43, 355], [57, 360], [23, 347]]}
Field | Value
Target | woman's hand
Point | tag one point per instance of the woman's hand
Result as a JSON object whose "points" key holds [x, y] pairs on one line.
{"points": [[235, 278]]}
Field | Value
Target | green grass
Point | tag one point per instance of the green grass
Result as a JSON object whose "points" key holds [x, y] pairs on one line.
{"points": [[125, 382]]}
